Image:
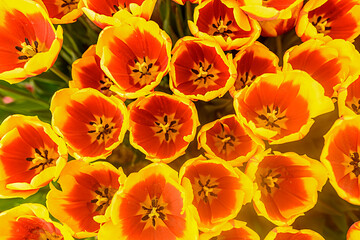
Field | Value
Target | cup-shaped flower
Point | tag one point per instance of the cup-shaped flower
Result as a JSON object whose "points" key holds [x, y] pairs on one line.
{"points": [[85, 196], [61, 12], [135, 55], [151, 205], [286, 185], [288, 233], [280, 107], [162, 125], [31, 155], [354, 231], [31, 221], [200, 70], [29, 42], [227, 138], [87, 73], [340, 156], [232, 230], [224, 22], [349, 97], [252, 62], [100, 12], [273, 28], [328, 63], [329, 19], [270, 10], [219, 190], [91, 124]]}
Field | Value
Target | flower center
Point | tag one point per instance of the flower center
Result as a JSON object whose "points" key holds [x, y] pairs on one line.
{"points": [[269, 181], [102, 130], [226, 139], [355, 161], [202, 73], [105, 85], [153, 212], [207, 190], [271, 117], [117, 8], [222, 28], [45, 235], [355, 106], [71, 4], [166, 127], [103, 198], [321, 24], [244, 80], [142, 67], [27, 50], [40, 159]]}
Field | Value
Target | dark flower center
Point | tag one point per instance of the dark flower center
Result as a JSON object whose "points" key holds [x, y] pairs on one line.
{"points": [[321, 24], [105, 85], [226, 139], [103, 198], [142, 67], [40, 159], [202, 73], [356, 107], [245, 80], [269, 180], [271, 117], [166, 127], [153, 212], [355, 162], [71, 4], [207, 190], [102, 130], [27, 50], [222, 28]]}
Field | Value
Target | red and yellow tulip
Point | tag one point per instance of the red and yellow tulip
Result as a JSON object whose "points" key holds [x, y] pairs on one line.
{"points": [[85, 196], [200, 70], [151, 205], [31, 221], [219, 190], [227, 138], [288, 233], [29, 42], [280, 107], [31, 155], [91, 124], [135, 55], [286, 185], [329, 19], [162, 126], [340, 156], [224, 22]]}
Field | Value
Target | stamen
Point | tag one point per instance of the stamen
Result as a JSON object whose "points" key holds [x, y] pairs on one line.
{"points": [[207, 190], [153, 212], [166, 127]]}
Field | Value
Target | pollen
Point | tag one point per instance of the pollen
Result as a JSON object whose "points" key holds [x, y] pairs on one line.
{"points": [[103, 130], [27, 50]]}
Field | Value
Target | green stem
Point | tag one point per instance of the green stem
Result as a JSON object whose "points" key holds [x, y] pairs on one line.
{"points": [[92, 31], [189, 11], [60, 74], [75, 48], [24, 95], [179, 21]]}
